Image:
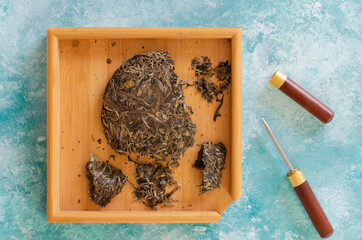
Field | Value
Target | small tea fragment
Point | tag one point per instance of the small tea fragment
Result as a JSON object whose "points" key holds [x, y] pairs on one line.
{"points": [[217, 114], [190, 109], [211, 160], [152, 181], [144, 109], [105, 181]]}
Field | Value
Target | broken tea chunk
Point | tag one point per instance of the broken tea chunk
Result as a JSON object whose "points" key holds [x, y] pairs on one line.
{"points": [[203, 73], [211, 160], [105, 181], [152, 180], [144, 109], [223, 75], [205, 85]]}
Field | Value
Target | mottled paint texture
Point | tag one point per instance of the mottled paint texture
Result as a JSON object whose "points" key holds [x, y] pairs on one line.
{"points": [[317, 43]]}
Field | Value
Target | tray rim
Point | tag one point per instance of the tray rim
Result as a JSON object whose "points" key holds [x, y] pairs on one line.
{"points": [[54, 214]]}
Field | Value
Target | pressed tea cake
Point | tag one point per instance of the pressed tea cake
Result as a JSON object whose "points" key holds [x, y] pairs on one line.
{"points": [[144, 111]]}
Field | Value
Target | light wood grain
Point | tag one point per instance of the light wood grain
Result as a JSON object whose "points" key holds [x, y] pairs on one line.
{"points": [[138, 216], [236, 116], [77, 76], [53, 135], [144, 33]]}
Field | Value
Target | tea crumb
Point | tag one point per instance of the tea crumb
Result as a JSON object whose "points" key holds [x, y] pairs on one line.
{"points": [[190, 109], [99, 141], [188, 85], [114, 44], [78, 201], [108, 60]]}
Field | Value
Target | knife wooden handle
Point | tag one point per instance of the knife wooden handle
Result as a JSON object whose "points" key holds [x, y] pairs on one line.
{"points": [[310, 203], [302, 97], [307, 101]]}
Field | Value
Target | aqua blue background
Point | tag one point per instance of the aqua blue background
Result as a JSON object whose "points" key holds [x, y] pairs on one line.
{"points": [[317, 43]]}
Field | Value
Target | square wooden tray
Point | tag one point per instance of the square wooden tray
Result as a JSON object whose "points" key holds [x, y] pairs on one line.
{"points": [[77, 75]]}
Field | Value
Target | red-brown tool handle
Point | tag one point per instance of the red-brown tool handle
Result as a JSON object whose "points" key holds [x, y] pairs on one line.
{"points": [[307, 101], [314, 210]]}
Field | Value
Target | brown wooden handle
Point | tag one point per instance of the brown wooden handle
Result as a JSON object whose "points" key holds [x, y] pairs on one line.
{"points": [[314, 209], [307, 101]]}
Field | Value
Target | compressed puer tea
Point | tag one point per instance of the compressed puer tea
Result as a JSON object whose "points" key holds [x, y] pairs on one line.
{"points": [[211, 160], [105, 181], [144, 110]]}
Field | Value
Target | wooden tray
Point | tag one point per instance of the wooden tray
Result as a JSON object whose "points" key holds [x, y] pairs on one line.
{"points": [[77, 76]]}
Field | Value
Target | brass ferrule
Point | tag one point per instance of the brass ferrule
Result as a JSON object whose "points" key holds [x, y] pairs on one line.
{"points": [[296, 177], [278, 79]]}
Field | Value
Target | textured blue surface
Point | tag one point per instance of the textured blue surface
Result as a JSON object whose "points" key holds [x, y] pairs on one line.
{"points": [[318, 44]]}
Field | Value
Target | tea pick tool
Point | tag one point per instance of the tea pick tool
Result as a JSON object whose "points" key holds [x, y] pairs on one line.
{"points": [[305, 193]]}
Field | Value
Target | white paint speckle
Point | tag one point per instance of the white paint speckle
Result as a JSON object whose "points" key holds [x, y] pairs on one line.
{"points": [[199, 229], [40, 139], [255, 219]]}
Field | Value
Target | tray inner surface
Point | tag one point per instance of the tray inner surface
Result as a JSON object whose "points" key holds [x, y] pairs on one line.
{"points": [[84, 73]]}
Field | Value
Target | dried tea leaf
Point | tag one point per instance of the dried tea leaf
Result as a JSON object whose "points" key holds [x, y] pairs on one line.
{"points": [[144, 111], [204, 84], [105, 181], [202, 69], [203, 74], [207, 88], [211, 160], [223, 75], [152, 180], [217, 114]]}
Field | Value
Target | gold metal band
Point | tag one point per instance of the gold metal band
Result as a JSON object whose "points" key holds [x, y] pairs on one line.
{"points": [[278, 79], [296, 177]]}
